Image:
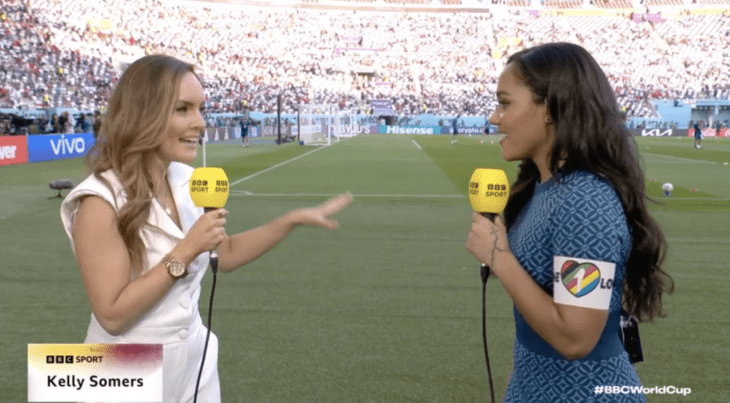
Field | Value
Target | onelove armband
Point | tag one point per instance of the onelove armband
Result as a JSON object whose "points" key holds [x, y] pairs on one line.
{"points": [[583, 282]]}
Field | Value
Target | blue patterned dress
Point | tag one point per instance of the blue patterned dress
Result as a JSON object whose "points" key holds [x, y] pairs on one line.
{"points": [[576, 215]]}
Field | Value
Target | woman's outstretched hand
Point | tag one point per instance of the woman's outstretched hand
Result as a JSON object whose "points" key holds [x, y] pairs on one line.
{"points": [[319, 216]]}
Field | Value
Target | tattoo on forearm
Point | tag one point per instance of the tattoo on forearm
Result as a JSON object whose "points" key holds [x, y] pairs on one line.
{"points": [[495, 248]]}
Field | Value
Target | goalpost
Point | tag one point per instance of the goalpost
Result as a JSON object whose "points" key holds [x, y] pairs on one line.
{"points": [[320, 124], [347, 124], [317, 123]]}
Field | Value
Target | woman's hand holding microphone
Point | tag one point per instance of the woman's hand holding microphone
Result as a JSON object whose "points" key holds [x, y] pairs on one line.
{"points": [[205, 235]]}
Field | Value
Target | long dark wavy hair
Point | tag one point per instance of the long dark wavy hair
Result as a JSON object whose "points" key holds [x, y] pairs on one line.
{"points": [[590, 136], [130, 138]]}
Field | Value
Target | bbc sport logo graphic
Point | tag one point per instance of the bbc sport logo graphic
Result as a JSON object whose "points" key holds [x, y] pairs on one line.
{"points": [[59, 359], [94, 372]]}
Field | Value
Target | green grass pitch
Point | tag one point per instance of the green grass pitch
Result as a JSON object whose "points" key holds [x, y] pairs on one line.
{"points": [[387, 308]]}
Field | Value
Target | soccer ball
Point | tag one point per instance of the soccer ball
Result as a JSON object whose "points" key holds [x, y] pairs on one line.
{"points": [[667, 187]]}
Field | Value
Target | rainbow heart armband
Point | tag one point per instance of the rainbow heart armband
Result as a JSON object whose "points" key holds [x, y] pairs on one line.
{"points": [[583, 282]]}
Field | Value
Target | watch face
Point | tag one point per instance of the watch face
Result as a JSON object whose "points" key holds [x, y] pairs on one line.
{"points": [[177, 269]]}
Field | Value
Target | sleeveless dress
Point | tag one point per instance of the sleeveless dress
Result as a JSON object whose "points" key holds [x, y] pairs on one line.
{"points": [[175, 321]]}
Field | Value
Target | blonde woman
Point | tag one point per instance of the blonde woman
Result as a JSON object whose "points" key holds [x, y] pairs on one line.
{"points": [[132, 221]]}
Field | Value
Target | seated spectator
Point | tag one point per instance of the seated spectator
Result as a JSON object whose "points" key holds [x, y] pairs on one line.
{"points": [[323, 65]]}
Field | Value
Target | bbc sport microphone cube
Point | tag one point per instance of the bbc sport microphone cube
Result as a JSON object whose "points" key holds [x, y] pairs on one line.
{"points": [[488, 190], [209, 187]]}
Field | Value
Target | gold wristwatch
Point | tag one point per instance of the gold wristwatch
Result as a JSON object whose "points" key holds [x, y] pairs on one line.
{"points": [[176, 268]]}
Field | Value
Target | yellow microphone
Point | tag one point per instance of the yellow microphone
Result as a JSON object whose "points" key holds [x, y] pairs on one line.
{"points": [[488, 191], [488, 195], [209, 189]]}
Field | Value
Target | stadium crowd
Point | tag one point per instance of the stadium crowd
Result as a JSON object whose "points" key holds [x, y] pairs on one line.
{"points": [[69, 54]]}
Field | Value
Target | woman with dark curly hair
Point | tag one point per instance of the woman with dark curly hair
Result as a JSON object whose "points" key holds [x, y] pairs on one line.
{"points": [[577, 243]]}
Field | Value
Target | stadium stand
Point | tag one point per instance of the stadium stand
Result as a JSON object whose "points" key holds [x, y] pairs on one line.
{"points": [[70, 53], [562, 4], [613, 4], [408, 1]]}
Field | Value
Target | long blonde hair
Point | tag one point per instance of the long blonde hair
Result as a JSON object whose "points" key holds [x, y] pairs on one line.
{"points": [[130, 138]]}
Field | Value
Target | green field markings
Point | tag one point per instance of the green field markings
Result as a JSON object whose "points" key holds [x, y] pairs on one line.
{"points": [[692, 178], [383, 164], [41, 173], [695, 179], [692, 204], [715, 150], [655, 191], [679, 160], [245, 178], [458, 161], [387, 308], [239, 162]]}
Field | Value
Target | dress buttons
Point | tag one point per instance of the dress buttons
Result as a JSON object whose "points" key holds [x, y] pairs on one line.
{"points": [[185, 304], [183, 334]]}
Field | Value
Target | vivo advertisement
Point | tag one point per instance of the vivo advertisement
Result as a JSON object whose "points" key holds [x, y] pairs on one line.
{"points": [[58, 146]]}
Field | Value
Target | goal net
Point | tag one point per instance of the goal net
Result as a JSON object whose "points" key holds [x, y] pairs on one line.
{"points": [[317, 123], [346, 124], [325, 123]]}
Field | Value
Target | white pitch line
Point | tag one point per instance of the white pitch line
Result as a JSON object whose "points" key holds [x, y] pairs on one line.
{"points": [[245, 193], [680, 158], [276, 166], [414, 142]]}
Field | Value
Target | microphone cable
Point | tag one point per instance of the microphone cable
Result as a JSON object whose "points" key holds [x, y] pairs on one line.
{"points": [[488, 195], [202, 196], [214, 269], [485, 272]]}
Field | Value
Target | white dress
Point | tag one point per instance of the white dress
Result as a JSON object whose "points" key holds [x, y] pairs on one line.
{"points": [[175, 321]]}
